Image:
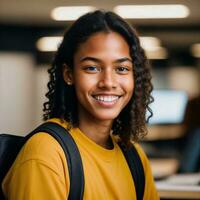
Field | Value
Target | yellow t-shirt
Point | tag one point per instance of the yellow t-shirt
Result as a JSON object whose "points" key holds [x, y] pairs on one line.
{"points": [[40, 171]]}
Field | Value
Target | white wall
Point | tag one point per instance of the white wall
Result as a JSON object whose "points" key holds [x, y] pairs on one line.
{"points": [[17, 93]]}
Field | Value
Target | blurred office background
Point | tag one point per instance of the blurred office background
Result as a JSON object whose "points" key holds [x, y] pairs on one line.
{"points": [[171, 42]]}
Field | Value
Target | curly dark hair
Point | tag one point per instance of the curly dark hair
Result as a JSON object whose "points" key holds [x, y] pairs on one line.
{"points": [[62, 100]]}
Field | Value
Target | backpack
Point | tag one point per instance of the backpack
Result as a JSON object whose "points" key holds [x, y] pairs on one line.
{"points": [[10, 146]]}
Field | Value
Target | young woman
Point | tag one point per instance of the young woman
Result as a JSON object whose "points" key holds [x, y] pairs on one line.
{"points": [[99, 90]]}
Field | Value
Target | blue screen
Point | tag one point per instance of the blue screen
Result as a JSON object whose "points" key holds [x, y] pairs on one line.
{"points": [[168, 106]]}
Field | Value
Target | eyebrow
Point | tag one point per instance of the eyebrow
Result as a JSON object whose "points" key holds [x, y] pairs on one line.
{"points": [[120, 60]]}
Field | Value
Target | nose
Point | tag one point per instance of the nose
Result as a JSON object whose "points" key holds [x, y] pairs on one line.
{"points": [[107, 79]]}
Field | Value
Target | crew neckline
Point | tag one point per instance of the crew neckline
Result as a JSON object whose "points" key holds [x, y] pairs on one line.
{"points": [[90, 145]]}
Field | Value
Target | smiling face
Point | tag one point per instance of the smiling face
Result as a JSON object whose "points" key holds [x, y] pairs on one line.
{"points": [[102, 77]]}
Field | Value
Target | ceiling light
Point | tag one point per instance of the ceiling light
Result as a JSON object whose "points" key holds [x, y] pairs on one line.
{"points": [[152, 11], [153, 48], [149, 43], [48, 43], [70, 13], [156, 53], [195, 50]]}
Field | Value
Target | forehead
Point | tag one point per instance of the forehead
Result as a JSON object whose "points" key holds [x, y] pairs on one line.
{"points": [[101, 44]]}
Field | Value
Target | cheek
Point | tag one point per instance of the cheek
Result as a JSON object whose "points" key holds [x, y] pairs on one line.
{"points": [[84, 84], [128, 84]]}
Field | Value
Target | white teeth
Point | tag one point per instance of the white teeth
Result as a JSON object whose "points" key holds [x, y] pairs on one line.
{"points": [[106, 98]]}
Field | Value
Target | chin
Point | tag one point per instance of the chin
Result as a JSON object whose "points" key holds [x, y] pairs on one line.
{"points": [[106, 117]]}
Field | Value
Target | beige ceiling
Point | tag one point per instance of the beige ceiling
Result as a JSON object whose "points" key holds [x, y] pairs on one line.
{"points": [[37, 12]]}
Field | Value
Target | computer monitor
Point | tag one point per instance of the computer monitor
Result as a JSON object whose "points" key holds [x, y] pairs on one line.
{"points": [[168, 106]]}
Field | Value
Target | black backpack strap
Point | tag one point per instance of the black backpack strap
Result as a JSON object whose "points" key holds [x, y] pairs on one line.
{"points": [[136, 168], [72, 155]]}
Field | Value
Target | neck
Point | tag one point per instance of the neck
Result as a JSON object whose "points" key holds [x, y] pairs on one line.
{"points": [[99, 132]]}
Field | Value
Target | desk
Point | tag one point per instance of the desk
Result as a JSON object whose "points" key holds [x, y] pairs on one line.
{"points": [[178, 192], [180, 187]]}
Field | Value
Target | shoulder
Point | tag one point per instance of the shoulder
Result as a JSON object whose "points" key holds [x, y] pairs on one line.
{"points": [[144, 158], [40, 164], [44, 149], [142, 154], [42, 144], [150, 189]]}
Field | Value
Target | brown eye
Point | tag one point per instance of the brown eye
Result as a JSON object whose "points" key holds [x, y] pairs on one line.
{"points": [[122, 69]]}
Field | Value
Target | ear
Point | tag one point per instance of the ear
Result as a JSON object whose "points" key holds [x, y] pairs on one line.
{"points": [[67, 75]]}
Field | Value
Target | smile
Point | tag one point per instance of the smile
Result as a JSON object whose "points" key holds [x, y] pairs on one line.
{"points": [[106, 99]]}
